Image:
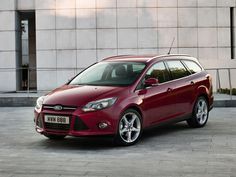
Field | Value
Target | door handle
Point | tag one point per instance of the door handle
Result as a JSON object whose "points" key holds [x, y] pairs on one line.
{"points": [[192, 83], [169, 89]]}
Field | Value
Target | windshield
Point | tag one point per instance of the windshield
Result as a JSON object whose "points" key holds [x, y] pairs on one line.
{"points": [[110, 74]]}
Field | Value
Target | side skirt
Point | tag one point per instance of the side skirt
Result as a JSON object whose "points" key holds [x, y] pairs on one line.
{"points": [[170, 121]]}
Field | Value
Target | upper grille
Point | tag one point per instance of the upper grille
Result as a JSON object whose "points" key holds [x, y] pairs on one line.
{"points": [[53, 107]]}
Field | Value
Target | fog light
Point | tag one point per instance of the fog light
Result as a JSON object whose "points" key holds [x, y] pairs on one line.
{"points": [[103, 125]]}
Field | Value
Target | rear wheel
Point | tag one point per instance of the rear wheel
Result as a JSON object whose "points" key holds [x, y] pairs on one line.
{"points": [[55, 137], [200, 113], [129, 128]]}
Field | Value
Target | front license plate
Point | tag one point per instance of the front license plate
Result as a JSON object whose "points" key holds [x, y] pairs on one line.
{"points": [[57, 119]]}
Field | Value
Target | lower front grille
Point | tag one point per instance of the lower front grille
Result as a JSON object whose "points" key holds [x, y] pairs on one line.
{"points": [[53, 126]]}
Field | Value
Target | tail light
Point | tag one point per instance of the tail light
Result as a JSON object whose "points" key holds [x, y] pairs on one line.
{"points": [[209, 78]]}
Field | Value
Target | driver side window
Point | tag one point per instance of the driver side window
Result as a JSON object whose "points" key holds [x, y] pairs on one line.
{"points": [[158, 71]]}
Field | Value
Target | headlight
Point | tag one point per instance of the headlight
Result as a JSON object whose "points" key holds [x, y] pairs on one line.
{"points": [[39, 102], [99, 104]]}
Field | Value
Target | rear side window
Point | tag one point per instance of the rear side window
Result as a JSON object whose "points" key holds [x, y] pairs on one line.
{"points": [[177, 69], [192, 66], [159, 72]]}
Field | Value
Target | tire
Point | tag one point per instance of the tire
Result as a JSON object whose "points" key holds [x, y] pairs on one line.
{"points": [[129, 128], [54, 137], [200, 113]]}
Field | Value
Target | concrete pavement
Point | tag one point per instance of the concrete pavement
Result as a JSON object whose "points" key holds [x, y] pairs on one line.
{"points": [[175, 150]]}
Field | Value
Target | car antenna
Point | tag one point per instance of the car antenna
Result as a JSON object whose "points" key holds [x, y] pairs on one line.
{"points": [[171, 46]]}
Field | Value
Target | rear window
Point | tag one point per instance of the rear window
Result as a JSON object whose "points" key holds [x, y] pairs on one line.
{"points": [[177, 69], [192, 66]]}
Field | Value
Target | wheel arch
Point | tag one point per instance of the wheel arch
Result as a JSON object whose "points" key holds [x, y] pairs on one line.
{"points": [[203, 92], [136, 108]]}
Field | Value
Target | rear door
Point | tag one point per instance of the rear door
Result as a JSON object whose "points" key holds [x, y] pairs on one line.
{"points": [[183, 89], [196, 78]]}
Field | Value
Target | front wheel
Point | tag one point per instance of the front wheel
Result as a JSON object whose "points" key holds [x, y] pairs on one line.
{"points": [[200, 113], [129, 128]]}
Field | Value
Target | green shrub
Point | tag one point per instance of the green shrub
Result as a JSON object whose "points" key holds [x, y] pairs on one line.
{"points": [[234, 91], [226, 91]]}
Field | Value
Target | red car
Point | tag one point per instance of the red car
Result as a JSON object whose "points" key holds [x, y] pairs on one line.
{"points": [[123, 95]]}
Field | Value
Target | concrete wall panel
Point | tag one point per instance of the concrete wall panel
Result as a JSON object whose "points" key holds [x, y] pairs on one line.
{"points": [[127, 18], [45, 39], [7, 19], [187, 3], [86, 39], [7, 40], [66, 39], [85, 58], [7, 5], [26, 4], [66, 59], [86, 18], [45, 19], [127, 38]]}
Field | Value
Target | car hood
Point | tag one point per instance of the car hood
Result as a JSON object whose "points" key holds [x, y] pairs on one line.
{"points": [[80, 95]]}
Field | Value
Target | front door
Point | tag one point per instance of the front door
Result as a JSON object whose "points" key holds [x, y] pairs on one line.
{"points": [[158, 99]]}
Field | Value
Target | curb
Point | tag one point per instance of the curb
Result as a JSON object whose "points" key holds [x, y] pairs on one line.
{"points": [[224, 103], [17, 101]]}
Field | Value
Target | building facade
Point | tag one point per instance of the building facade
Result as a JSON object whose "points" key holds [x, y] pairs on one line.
{"points": [[43, 43]]}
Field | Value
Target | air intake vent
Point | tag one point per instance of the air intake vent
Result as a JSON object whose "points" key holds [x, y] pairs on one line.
{"points": [[39, 122], [79, 125], [60, 127]]}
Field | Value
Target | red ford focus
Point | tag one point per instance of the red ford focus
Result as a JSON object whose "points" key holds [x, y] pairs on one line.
{"points": [[124, 95]]}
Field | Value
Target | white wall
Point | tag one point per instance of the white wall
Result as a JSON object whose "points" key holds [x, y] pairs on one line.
{"points": [[77, 33], [81, 32]]}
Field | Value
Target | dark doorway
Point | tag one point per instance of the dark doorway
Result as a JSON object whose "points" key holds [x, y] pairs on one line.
{"points": [[232, 32], [26, 75]]}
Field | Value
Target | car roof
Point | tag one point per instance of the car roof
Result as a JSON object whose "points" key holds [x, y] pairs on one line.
{"points": [[147, 58]]}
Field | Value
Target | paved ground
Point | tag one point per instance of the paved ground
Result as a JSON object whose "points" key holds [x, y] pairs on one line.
{"points": [[169, 151]]}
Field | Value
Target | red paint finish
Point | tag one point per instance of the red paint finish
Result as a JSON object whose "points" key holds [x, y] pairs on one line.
{"points": [[158, 103]]}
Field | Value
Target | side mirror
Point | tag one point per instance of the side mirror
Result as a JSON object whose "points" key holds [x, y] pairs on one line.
{"points": [[150, 82]]}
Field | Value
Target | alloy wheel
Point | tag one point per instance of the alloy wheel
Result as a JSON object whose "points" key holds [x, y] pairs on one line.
{"points": [[202, 111], [130, 127]]}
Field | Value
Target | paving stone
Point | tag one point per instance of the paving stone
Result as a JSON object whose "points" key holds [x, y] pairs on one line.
{"points": [[174, 150]]}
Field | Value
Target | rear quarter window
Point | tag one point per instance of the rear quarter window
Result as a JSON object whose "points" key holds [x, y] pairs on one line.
{"points": [[192, 66]]}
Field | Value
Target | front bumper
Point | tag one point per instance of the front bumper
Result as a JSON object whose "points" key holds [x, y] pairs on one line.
{"points": [[81, 123]]}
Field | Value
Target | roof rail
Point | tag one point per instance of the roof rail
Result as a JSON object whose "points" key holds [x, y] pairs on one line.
{"points": [[157, 56], [115, 56], [168, 55], [152, 57]]}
